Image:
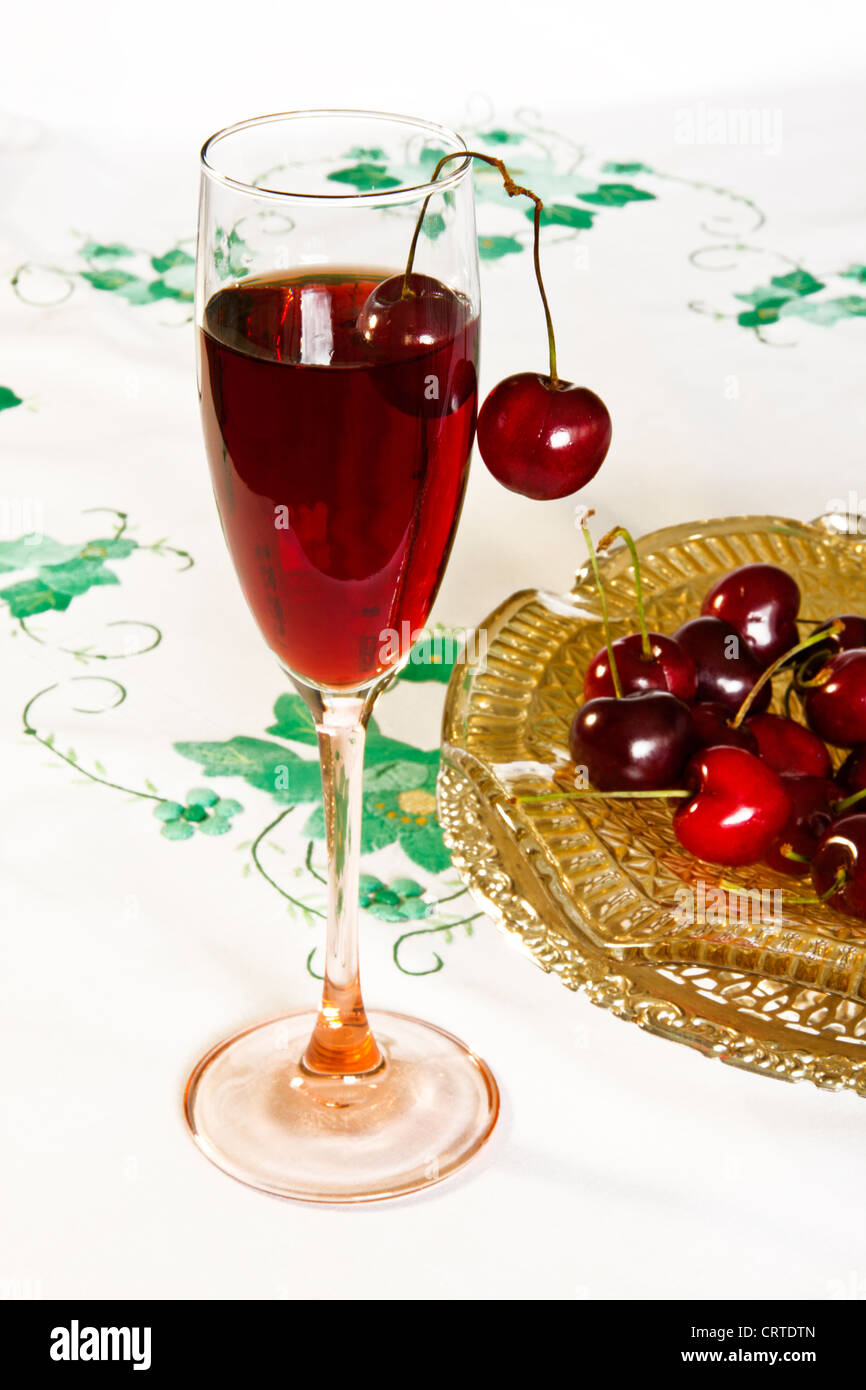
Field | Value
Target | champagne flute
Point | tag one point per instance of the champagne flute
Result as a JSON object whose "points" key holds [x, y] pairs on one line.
{"points": [[338, 402]]}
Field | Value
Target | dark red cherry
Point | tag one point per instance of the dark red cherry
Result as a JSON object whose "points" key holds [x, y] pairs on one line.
{"points": [[410, 340], [543, 441], [812, 803], [713, 727], [638, 743], [761, 602], [739, 808], [853, 632], [788, 747], [842, 852], [725, 666], [851, 776], [669, 668], [836, 708]]}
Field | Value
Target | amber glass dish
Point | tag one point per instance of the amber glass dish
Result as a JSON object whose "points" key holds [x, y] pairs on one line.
{"points": [[594, 888]]}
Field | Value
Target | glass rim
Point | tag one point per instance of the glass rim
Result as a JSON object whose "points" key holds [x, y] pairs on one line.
{"points": [[406, 192]]}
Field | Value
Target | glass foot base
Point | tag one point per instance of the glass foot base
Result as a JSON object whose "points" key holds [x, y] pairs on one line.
{"points": [[262, 1117]]}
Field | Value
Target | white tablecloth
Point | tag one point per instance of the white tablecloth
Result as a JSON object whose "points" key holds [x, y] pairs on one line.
{"points": [[623, 1166]]}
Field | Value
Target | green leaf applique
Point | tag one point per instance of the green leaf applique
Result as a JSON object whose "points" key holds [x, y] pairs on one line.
{"points": [[493, 248], [798, 282], [32, 550], [76, 576], [629, 167], [433, 225], [827, 312], [764, 313], [31, 596], [616, 195], [366, 176], [433, 658], [111, 251], [501, 137], [171, 260], [562, 215]]}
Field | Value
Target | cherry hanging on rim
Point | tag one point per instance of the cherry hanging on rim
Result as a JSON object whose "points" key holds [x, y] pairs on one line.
{"points": [[539, 435]]}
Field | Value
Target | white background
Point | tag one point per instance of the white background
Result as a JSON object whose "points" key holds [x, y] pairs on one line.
{"points": [[186, 69], [624, 1166]]}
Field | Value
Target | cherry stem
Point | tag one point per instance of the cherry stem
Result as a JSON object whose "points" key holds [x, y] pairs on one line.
{"points": [[621, 533], [788, 852], [777, 665], [589, 791], [814, 900], [514, 190], [605, 620], [803, 681], [849, 801]]}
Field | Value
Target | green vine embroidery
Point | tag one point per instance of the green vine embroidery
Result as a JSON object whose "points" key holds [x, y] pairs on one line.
{"points": [[127, 272], [204, 809], [56, 573]]}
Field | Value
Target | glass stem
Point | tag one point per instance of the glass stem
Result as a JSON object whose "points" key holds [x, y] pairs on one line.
{"points": [[342, 1042]]}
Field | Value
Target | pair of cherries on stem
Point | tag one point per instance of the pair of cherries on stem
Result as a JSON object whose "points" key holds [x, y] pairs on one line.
{"points": [[539, 435]]}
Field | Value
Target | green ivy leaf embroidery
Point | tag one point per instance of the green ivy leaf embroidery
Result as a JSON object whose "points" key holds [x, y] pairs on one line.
{"points": [[825, 313], [112, 251], [293, 721], [492, 248], [231, 254], [501, 137], [400, 776], [431, 154], [433, 658], [8, 398], [855, 272], [171, 259], [764, 294], [797, 282], [366, 176], [630, 167], [32, 550], [562, 215], [133, 288], [425, 847], [110, 280], [434, 225], [616, 195], [77, 576], [765, 313], [32, 596], [271, 767]]}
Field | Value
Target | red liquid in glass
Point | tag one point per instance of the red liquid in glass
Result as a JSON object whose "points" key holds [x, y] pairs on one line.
{"points": [[339, 475]]}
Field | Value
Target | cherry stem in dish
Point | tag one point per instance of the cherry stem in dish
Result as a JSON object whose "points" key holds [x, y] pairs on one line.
{"points": [[605, 620], [849, 801], [620, 532], [790, 853], [815, 899], [771, 670]]}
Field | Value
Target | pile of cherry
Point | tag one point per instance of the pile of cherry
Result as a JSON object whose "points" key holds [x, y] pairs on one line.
{"points": [[687, 716]]}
